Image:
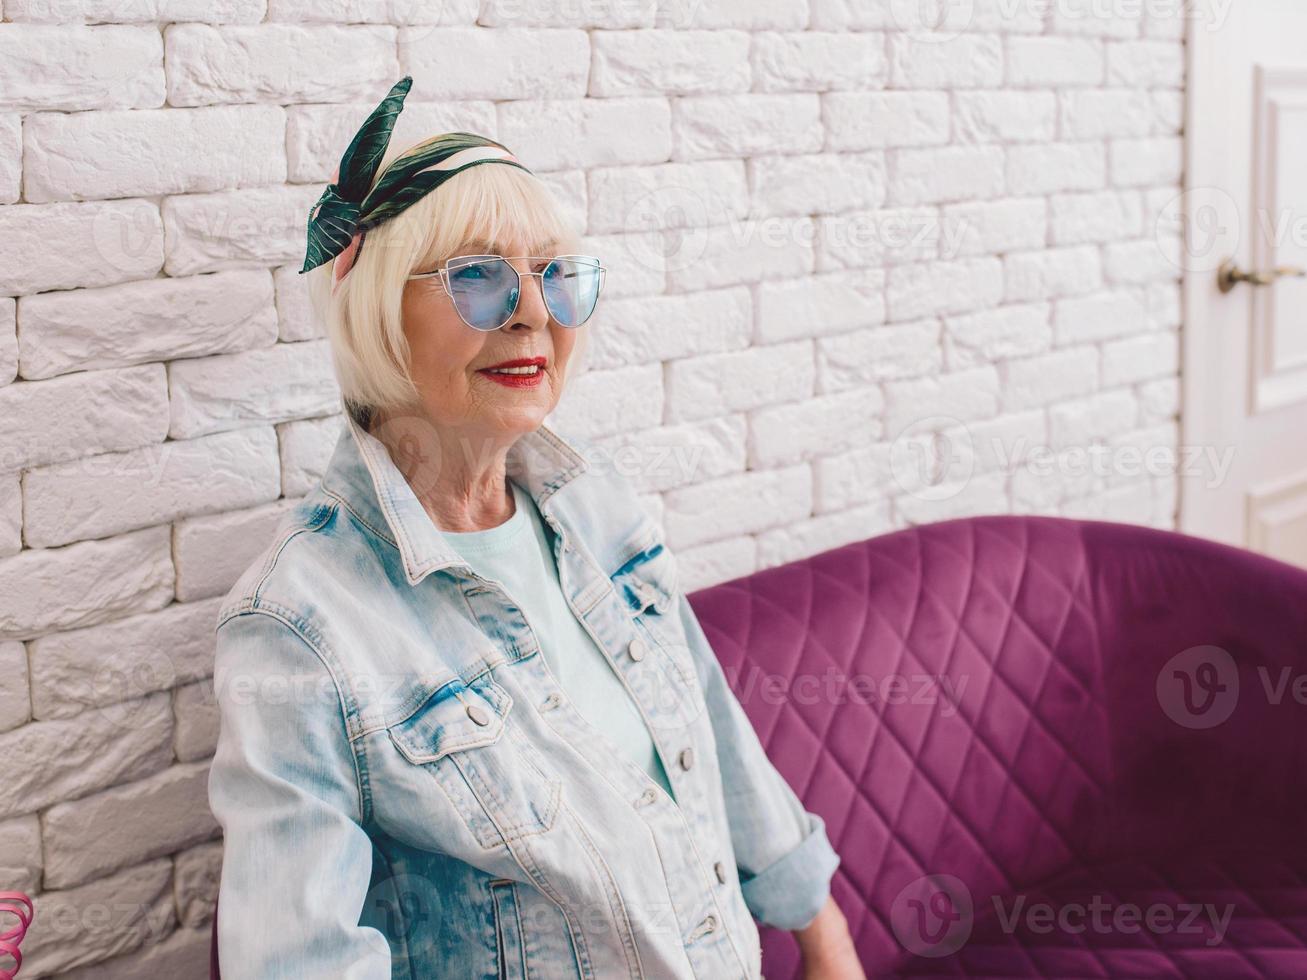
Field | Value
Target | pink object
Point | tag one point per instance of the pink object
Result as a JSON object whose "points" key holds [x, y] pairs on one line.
{"points": [[13, 902], [343, 262], [6, 946]]}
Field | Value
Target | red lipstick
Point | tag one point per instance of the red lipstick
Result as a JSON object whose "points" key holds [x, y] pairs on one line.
{"points": [[521, 377]]}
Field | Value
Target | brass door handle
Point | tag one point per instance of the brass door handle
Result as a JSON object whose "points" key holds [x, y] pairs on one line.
{"points": [[1230, 275]]}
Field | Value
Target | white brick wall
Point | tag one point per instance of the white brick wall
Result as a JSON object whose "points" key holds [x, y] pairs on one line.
{"points": [[863, 274]]}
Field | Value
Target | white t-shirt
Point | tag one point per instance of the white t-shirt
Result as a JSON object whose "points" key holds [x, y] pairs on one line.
{"points": [[518, 554]]}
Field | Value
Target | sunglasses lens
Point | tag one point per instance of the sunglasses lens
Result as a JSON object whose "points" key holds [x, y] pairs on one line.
{"points": [[571, 285], [484, 292]]}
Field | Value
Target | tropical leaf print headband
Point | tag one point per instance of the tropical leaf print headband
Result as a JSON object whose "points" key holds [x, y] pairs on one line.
{"points": [[350, 205]]}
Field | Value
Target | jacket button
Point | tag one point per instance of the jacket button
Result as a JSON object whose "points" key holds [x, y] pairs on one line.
{"points": [[636, 649], [687, 757], [478, 714], [720, 869]]}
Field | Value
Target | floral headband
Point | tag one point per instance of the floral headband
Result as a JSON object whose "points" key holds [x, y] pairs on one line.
{"points": [[350, 205]]}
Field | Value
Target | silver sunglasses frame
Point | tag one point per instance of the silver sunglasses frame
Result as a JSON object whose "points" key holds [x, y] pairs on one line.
{"points": [[443, 275]]}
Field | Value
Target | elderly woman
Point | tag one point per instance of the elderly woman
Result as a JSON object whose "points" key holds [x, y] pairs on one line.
{"points": [[469, 725]]}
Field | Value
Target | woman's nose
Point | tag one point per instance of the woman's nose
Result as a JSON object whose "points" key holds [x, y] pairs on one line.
{"points": [[531, 311]]}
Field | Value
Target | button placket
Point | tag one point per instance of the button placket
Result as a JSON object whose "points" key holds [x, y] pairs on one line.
{"points": [[638, 649], [686, 758]]}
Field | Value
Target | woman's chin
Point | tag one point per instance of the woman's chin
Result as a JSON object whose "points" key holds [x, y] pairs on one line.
{"points": [[521, 418]]}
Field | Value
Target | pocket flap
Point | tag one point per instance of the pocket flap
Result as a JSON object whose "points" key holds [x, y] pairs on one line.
{"points": [[648, 579], [456, 716]]}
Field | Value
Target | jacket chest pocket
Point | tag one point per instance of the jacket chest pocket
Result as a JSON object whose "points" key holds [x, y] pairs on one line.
{"points": [[647, 585], [496, 779]]}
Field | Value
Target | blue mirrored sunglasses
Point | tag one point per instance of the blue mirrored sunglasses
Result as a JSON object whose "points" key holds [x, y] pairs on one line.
{"points": [[487, 288]]}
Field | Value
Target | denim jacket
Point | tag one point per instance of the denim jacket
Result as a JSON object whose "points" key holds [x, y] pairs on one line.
{"points": [[406, 792]]}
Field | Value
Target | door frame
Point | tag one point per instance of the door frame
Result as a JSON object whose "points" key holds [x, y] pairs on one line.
{"points": [[1206, 369]]}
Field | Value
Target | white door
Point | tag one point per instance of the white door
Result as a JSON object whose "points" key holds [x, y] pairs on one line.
{"points": [[1245, 350]]}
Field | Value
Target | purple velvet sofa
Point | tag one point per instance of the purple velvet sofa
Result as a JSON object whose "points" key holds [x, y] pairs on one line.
{"points": [[1068, 720], [1043, 747]]}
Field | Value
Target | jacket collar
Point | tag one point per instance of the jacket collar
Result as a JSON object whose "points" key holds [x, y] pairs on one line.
{"points": [[362, 474]]}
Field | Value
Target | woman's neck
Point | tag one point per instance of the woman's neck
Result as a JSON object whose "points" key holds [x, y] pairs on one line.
{"points": [[460, 480]]}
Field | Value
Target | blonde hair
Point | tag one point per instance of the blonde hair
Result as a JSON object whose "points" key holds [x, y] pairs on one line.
{"points": [[363, 322]]}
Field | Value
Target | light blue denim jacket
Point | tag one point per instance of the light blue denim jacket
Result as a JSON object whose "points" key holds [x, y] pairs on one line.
{"points": [[406, 792]]}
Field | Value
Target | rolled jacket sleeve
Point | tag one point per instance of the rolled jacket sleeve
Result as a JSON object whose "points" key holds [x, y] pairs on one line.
{"points": [[283, 784], [785, 858]]}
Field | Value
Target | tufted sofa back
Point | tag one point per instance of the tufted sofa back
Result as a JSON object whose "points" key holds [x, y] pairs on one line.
{"points": [[1003, 698]]}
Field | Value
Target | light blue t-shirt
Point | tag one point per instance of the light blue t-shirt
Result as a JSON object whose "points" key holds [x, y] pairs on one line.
{"points": [[518, 554]]}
